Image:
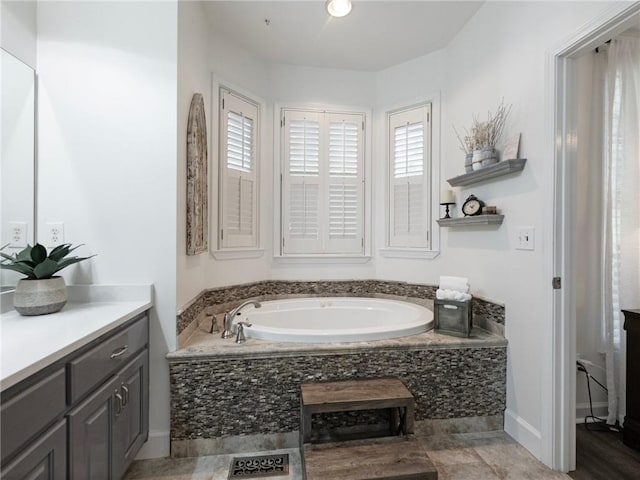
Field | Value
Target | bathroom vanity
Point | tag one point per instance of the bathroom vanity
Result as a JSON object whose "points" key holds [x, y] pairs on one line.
{"points": [[74, 400]]}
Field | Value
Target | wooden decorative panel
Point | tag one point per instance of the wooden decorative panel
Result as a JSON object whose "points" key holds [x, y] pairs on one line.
{"points": [[197, 185]]}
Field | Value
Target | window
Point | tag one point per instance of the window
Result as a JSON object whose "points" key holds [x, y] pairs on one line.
{"points": [[322, 186], [238, 192], [409, 139]]}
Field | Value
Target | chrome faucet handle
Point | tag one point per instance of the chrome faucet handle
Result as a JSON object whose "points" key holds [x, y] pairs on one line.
{"points": [[240, 338], [214, 324], [227, 331]]}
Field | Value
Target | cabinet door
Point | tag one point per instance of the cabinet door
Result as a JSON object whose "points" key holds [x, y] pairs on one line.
{"points": [[90, 435], [131, 422], [44, 459]]}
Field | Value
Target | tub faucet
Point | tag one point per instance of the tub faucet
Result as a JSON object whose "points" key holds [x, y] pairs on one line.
{"points": [[229, 316]]}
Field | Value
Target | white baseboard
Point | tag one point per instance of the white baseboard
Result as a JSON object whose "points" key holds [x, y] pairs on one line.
{"points": [[600, 409], [157, 446], [523, 432]]}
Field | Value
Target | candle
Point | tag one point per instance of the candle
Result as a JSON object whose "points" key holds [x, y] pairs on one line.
{"points": [[446, 196]]}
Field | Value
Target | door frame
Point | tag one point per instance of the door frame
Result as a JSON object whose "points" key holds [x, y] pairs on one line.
{"points": [[559, 377]]}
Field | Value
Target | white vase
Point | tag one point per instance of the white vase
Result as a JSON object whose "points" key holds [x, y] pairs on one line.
{"points": [[40, 297], [468, 161], [484, 157]]}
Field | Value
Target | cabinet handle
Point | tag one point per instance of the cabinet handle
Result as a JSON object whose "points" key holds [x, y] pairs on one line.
{"points": [[125, 394], [118, 403], [118, 352]]}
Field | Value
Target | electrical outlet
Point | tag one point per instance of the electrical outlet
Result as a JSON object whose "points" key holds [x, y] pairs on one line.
{"points": [[525, 238], [18, 234], [54, 234]]}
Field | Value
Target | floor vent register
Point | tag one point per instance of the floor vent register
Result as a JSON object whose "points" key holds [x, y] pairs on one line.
{"points": [[259, 466]]}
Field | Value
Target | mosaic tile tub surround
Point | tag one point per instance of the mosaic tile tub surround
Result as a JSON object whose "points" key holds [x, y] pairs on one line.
{"points": [[213, 397], [488, 315]]}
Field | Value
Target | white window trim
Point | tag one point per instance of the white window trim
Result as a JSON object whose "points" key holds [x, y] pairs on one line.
{"points": [[218, 82], [416, 252], [278, 171]]}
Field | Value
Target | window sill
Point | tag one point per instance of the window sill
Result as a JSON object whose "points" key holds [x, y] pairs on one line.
{"points": [[398, 252], [234, 254], [336, 259]]}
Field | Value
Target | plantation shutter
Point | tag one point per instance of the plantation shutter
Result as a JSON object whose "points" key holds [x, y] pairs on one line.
{"points": [[409, 166], [238, 172], [322, 183], [302, 185], [345, 183]]}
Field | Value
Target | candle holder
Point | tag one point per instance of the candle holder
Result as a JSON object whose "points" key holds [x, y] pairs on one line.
{"points": [[446, 205]]}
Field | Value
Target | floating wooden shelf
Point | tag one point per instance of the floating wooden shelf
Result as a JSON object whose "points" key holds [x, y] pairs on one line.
{"points": [[470, 221], [501, 168]]}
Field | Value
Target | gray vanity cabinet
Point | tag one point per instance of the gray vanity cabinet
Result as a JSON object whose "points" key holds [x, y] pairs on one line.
{"points": [[43, 459], [131, 419], [97, 431], [90, 435]]}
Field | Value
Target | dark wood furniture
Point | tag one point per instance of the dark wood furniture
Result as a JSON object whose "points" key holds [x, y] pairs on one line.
{"points": [[631, 432], [85, 416]]}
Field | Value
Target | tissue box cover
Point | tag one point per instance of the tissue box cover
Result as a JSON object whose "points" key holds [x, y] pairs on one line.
{"points": [[453, 318]]}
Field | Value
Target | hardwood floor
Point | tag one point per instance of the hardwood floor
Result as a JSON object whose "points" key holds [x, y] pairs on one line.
{"points": [[603, 456]]}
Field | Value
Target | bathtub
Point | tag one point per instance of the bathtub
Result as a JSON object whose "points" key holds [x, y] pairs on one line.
{"points": [[335, 319]]}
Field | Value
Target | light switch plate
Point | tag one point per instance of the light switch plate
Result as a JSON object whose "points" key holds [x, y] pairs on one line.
{"points": [[525, 238]]}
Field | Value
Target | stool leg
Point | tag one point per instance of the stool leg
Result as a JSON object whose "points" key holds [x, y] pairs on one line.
{"points": [[393, 421], [305, 425], [408, 416]]}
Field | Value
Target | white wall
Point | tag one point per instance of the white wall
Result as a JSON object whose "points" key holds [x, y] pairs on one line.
{"points": [[107, 156], [511, 63], [18, 20], [194, 76]]}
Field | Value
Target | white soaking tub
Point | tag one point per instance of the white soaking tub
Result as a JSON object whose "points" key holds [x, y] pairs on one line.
{"points": [[335, 319]]}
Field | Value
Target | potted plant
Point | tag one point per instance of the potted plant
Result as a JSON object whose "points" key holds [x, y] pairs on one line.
{"points": [[483, 137], [41, 292], [467, 145]]}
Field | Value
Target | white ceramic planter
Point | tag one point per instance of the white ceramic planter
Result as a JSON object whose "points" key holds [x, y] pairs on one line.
{"points": [[468, 161], [40, 297], [485, 157]]}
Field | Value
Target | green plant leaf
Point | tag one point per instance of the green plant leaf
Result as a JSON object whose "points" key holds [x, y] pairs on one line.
{"points": [[38, 253], [20, 268], [70, 261], [8, 257], [24, 254], [60, 251], [46, 268], [27, 262]]}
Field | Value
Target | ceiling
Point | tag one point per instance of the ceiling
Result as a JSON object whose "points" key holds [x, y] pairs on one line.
{"points": [[374, 36]]}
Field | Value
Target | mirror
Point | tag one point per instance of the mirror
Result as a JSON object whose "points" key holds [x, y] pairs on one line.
{"points": [[17, 162]]}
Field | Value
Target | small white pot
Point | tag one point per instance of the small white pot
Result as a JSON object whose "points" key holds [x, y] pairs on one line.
{"points": [[468, 161], [40, 297]]}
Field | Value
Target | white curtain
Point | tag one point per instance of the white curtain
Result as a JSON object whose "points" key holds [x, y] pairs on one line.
{"points": [[621, 233]]}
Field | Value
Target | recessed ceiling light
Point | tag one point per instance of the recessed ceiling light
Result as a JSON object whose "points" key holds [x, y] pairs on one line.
{"points": [[338, 8]]}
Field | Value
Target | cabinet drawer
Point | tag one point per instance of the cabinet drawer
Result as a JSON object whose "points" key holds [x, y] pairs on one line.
{"points": [[28, 412], [91, 368]]}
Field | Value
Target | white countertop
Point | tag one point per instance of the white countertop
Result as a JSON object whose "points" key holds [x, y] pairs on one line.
{"points": [[29, 344]]}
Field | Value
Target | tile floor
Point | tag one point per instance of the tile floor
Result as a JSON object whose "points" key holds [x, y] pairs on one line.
{"points": [[461, 456]]}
